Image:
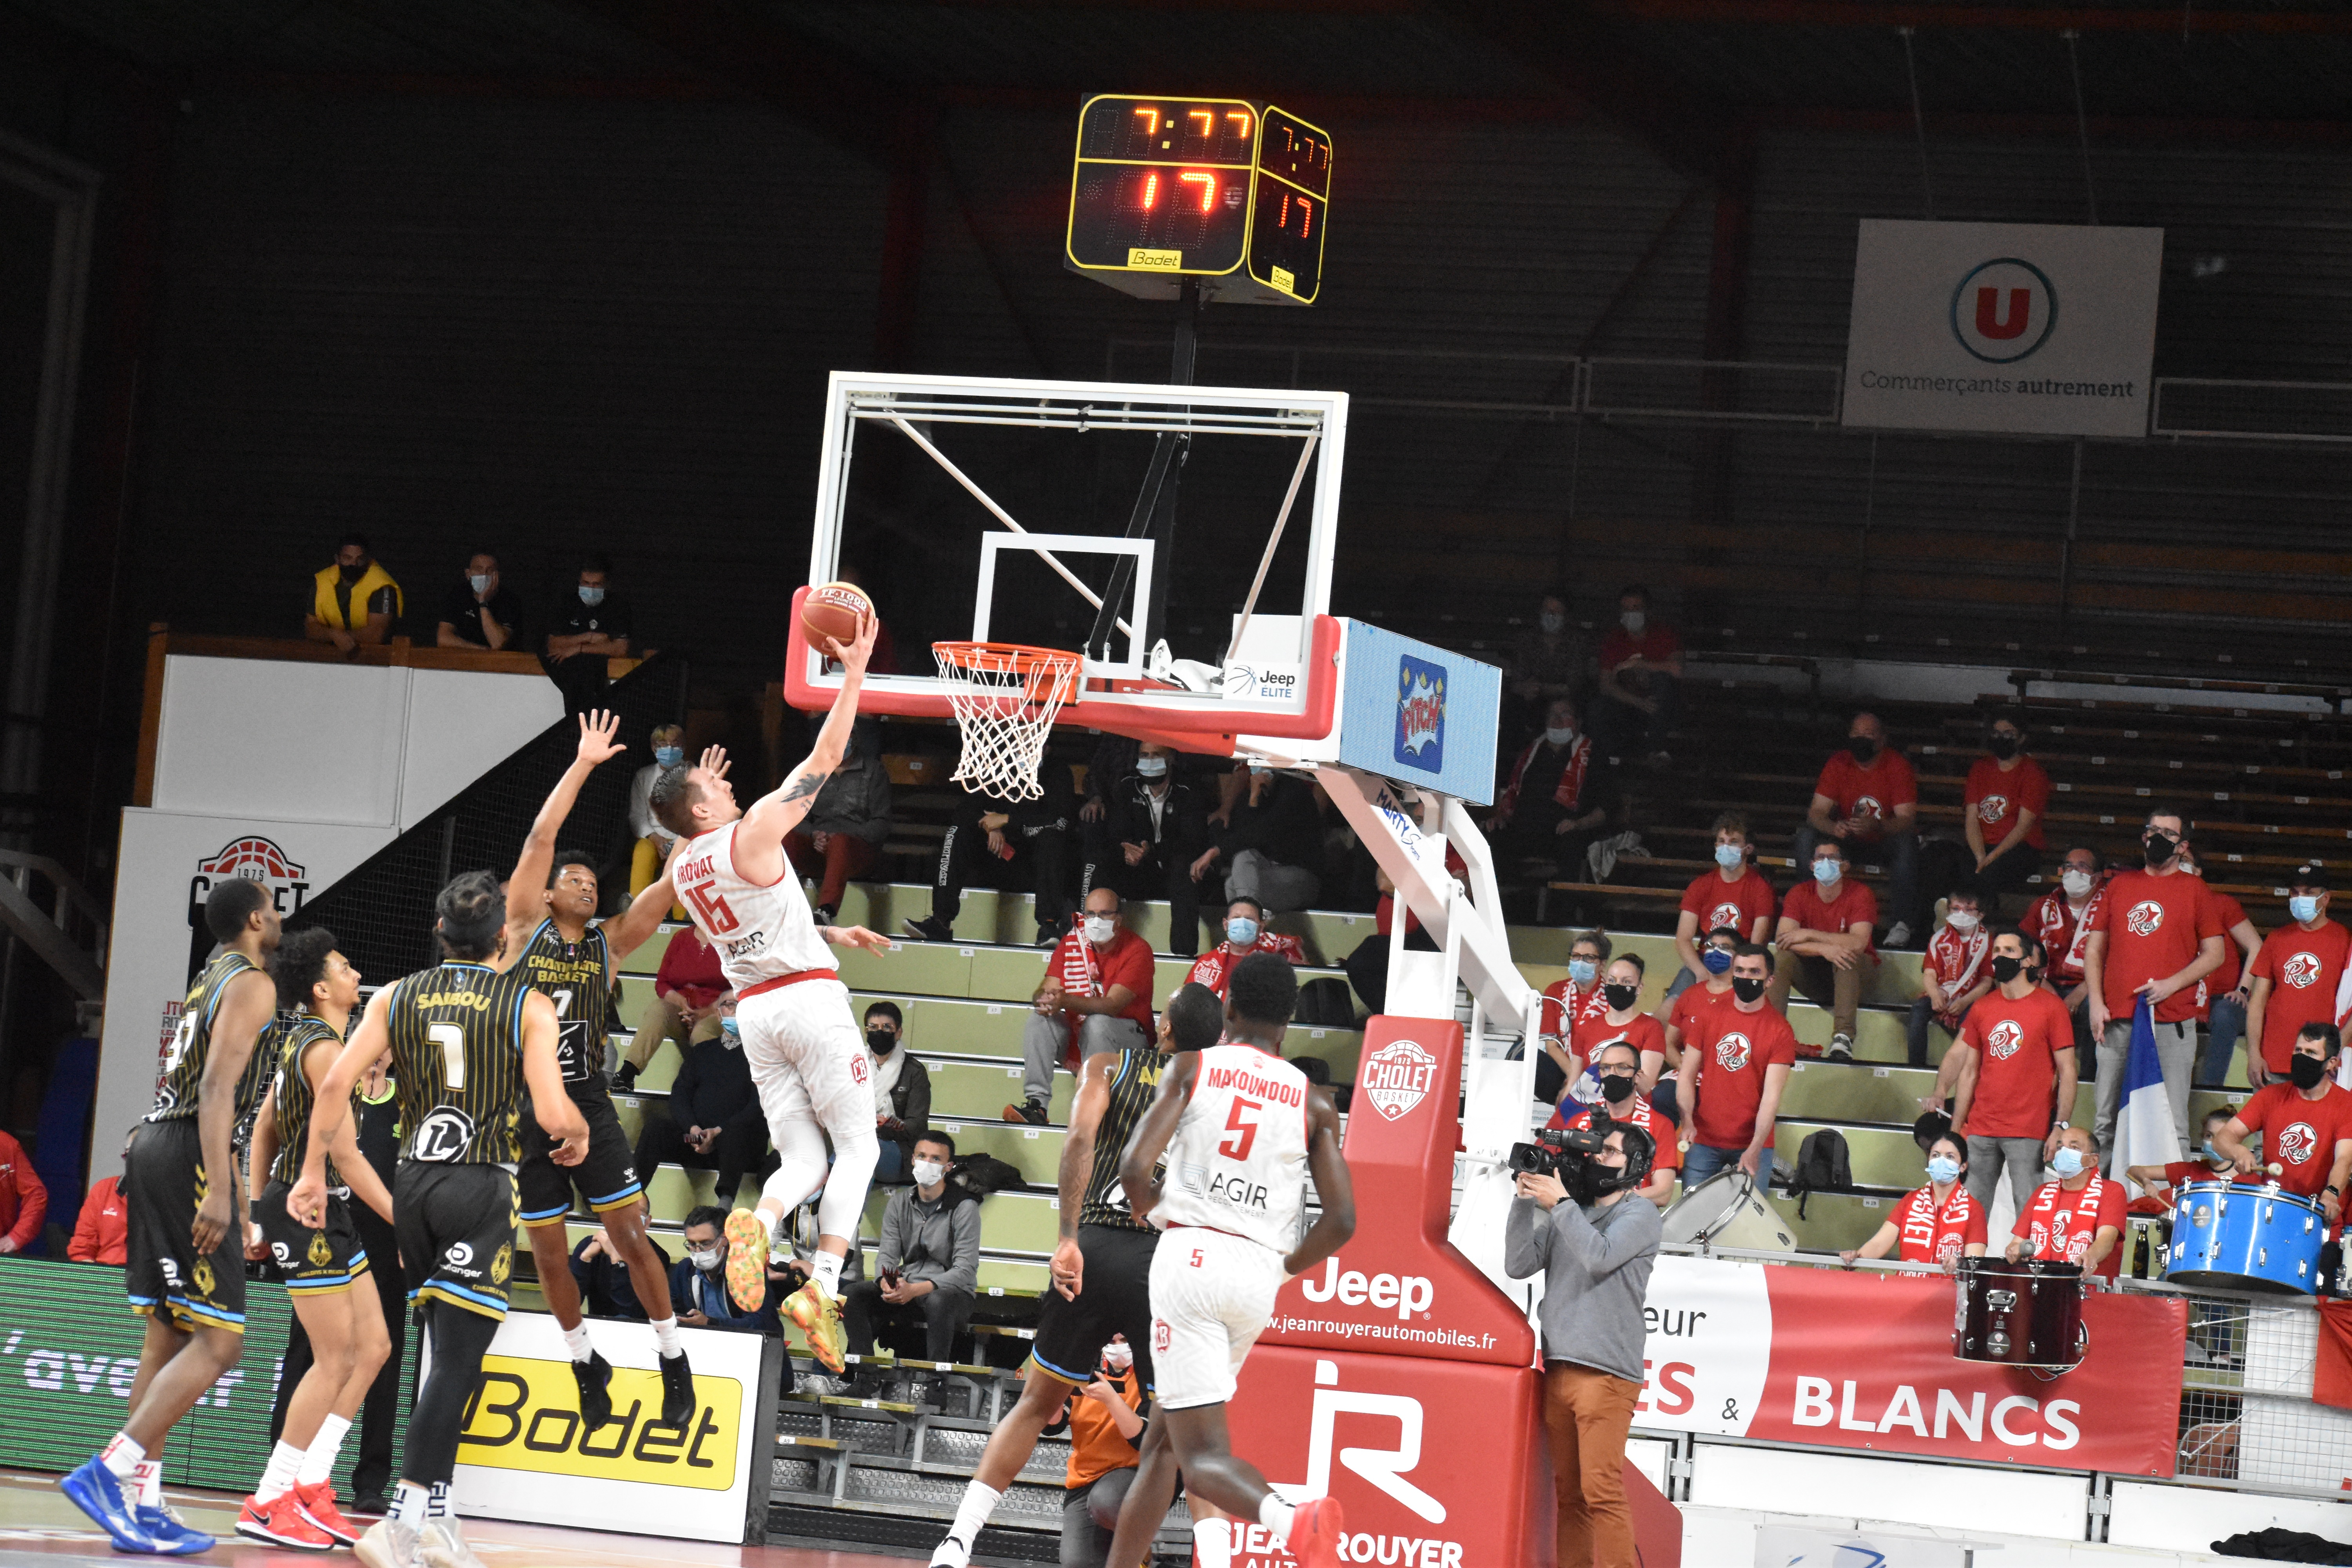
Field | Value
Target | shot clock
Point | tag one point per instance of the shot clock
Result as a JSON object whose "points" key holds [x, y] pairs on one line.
{"points": [[1164, 188]]}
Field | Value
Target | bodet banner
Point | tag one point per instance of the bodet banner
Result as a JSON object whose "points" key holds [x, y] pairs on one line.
{"points": [[1864, 1361], [2042, 329]]}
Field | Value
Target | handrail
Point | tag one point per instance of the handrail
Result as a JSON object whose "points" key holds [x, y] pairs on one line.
{"points": [[71, 894], [47, 932]]}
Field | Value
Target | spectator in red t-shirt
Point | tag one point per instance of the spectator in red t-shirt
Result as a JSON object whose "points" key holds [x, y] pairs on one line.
{"points": [[1954, 973], [2223, 995], [1096, 996], [24, 1201], [2305, 1123], [102, 1229], [2296, 975], [1733, 1067], [1867, 798], [2160, 1186], [2078, 1218], [2007, 795], [1940, 1223], [1686, 1013], [2155, 934], [1617, 1063], [1565, 1002], [1824, 942], [1620, 1017], [1640, 681], [1734, 894], [1245, 933], [687, 988], [2012, 1072], [2060, 921]]}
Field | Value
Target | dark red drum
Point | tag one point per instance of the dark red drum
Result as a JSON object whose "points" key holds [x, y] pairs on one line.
{"points": [[2018, 1314]]}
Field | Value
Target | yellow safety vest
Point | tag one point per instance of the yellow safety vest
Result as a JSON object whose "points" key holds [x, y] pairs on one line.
{"points": [[325, 608]]}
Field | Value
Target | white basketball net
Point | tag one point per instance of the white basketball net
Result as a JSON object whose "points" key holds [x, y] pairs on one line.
{"points": [[1004, 698]]}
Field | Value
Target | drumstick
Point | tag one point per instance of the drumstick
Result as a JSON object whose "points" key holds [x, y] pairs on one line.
{"points": [[2275, 1169]]}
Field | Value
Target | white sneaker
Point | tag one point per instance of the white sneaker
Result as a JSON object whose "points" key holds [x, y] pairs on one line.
{"points": [[1841, 1047], [951, 1553], [441, 1544], [388, 1544]]}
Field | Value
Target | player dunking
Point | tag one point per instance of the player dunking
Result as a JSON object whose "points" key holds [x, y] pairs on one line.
{"points": [[1240, 1129], [187, 1273], [551, 897], [465, 1040], [806, 1055], [1102, 1266], [326, 1273]]}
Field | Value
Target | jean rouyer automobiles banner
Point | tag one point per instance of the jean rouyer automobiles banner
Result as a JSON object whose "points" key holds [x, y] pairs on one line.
{"points": [[2039, 329], [1864, 1361]]}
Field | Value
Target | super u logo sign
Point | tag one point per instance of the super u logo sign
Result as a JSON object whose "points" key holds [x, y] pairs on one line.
{"points": [[2003, 309], [1421, 714]]}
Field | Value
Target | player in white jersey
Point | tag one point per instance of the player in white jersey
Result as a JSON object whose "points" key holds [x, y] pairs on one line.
{"points": [[1238, 1131], [806, 1055]]}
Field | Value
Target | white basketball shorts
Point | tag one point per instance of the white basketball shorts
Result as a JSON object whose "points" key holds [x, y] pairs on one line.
{"points": [[1212, 1294], [807, 1058]]}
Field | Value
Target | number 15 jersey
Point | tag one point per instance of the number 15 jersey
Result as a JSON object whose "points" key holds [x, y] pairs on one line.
{"points": [[1238, 1160], [762, 930], [457, 1062]]}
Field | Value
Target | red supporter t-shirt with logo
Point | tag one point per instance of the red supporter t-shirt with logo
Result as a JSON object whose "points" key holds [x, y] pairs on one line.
{"points": [[2015, 1044], [1669, 1140], [1997, 798], [1735, 1048], [1214, 968], [1564, 1005], [1938, 1233], [1854, 902], [2231, 914], [1691, 1007], [1872, 791], [2153, 925], [1594, 1030], [1738, 904], [2300, 1135], [1086, 971], [2060, 1225], [2303, 967]]}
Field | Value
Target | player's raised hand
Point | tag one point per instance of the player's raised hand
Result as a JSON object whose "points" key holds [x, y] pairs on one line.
{"points": [[597, 731], [715, 763], [853, 657], [857, 936]]}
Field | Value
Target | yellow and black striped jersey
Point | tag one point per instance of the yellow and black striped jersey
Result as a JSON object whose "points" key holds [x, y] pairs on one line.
{"points": [[288, 1039], [1132, 1089], [577, 976], [457, 1057], [192, 1044]]}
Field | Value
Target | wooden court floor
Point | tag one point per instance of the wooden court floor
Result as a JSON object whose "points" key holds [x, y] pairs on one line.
{"points": [[39, 1526]]}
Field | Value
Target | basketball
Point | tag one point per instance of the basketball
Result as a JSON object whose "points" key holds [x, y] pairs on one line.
{"points": [[834, 610]]}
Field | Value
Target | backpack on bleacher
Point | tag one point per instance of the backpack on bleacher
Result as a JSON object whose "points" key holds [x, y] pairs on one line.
{"points": [[980, 1175], [1325, 1003], [1822, 1166]]}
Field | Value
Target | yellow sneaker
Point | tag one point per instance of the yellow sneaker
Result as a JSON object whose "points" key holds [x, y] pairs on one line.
{"points": [[819, 1316], [746, 1260]]}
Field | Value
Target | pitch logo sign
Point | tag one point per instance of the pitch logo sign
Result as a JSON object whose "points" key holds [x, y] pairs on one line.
{"points": [[1421, 714], [2003, 309], [2301, 972], [1396, 1078], [2145, 918]]}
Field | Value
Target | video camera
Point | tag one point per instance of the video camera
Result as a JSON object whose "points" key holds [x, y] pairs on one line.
{"points": [[1567, 1155]]}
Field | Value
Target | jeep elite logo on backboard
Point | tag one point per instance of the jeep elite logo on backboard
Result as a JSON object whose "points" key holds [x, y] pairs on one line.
{"points": [[1396, 1078]]}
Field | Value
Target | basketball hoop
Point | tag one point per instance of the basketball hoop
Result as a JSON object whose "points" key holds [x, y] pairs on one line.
{"points": [[1004, 697]]}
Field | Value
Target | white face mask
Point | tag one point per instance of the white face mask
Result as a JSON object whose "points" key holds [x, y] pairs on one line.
{"points": [[1551, 621], [1634, 621], [1118, 1358], [1151, 767], [2077, 882], [1560, 735], [928, 1172], [480, 582], [1961, 920], [705, 1258], [1099, 928]]}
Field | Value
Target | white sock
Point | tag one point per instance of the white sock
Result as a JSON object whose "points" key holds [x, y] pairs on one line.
{"points": [[438, 1505], [121, 1456], [319, 1459], [576, 1340], [409, 1504], [149, 1478], [828, 1272], [285, 1464], [666, 1338], [1212, 1544], [1274, 1514], [979, 1501]]}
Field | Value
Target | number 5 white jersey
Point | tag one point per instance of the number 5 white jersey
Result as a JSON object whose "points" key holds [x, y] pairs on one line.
{"points": [[762, 930], [1238, 1160]]}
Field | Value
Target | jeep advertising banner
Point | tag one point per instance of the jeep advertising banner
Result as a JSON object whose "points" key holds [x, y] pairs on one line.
{"points": [[2039, 329]]}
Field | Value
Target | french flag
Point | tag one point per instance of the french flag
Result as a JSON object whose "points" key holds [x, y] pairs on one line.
{"points": [[2144, 1135]]}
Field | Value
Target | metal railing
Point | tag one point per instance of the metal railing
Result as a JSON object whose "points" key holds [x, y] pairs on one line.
{"points": [[70, 934]]}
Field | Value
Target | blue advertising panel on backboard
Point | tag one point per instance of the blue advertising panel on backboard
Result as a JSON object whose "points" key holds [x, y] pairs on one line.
{"points": [[1419, 714]]}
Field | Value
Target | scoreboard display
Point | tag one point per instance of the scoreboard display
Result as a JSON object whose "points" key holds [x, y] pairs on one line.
{"points": [[1216, 189]]}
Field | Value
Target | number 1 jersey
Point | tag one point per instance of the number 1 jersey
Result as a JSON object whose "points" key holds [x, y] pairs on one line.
{"points": [[763, 931], [1238, 1160], [457, 1062]]}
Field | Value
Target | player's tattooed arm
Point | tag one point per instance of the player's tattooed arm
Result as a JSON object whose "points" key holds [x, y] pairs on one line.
{"points": [[774, 816]]}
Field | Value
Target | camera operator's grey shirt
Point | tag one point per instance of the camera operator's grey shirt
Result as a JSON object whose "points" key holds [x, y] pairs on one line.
{"points": [[1596, 1269]]}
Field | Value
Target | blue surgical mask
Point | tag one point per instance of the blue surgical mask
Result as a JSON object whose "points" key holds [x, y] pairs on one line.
{"points": [[1827, 871], [1151, 767], [2303, 907], [480, 582], [2067, 1163], [669, 756], [2212, 1156], [1943, 1168], [590, 596], [731, 1033], [1583, 971], [1717, 961], [1241, 931], [1730, 856]]}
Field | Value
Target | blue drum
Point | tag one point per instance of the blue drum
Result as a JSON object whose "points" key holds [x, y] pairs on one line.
{"points": [[2231, 1236]]}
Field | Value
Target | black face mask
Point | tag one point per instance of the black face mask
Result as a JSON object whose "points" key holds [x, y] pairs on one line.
{"points": [[881, 1042], [2306, 1071], [2006, 969], [1747, 988], [1862, 747], [1620, 997], [353, 573], [2160, 847], [2003, 746], [1616, 1088]]}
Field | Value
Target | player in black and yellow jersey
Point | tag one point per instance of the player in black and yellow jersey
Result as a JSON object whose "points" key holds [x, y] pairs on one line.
{"points": [[550, 899], [326, 1271], [1101, 1270], [187, 1246], [465, 1040]]}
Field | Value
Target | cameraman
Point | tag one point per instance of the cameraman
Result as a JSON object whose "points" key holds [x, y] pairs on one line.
{"points": [[1595, 1254]]}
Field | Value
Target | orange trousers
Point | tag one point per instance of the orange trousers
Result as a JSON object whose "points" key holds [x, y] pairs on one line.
{"points": [[1587, 1413]]}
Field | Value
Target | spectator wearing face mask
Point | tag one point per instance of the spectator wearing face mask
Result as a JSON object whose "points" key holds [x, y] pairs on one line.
{"points": [[2060, 921], [2319, 1164], [1565, 1001], [1272, 843], [1617, 1069], [2011, 1074], [698, 1282], [1152, 827], [1562, 795], [650, 841], [2078, 1218], [2160, 1186], [1953, 974], [1105, 1421], [902, 1091], [1096, 996], [1245, 933], [1823, 941], [842, 837], [1686, 1018], [690, 996], [928, 1263], [711, 1121], [2007, 792], [1867, 799], [2223, 997], [1941, 1222], [594, 626], [354, 603], [2296, 976], [2155, 934], [1734, 895], [1640, 681], [480, 611], [1548, 660], [1620, 1019], [1736, 1062]]}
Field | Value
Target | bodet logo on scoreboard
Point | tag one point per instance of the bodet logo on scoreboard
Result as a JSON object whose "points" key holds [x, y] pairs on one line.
{"points": [[527, 1417]]}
